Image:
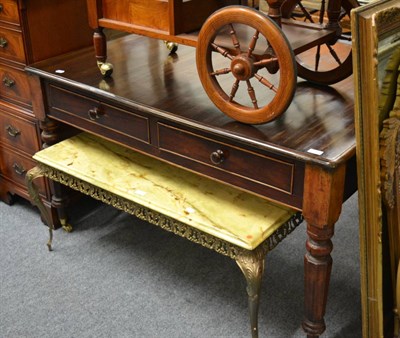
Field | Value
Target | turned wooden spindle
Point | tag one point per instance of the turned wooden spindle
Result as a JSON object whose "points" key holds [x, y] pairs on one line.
{"points": [[100, 45]]}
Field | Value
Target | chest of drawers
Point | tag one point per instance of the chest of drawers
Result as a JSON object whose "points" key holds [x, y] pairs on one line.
{"points": [[30, 31]]}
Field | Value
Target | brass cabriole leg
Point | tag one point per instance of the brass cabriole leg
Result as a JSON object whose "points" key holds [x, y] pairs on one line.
{"points": [[252, 265], [33, 191], [59, 202]]}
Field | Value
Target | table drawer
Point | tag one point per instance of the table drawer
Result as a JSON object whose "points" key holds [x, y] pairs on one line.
{"points": [[96, 116], [271, 172], [9, 12], [18, 133], [15, 85], [11, 45], [14, 167]]}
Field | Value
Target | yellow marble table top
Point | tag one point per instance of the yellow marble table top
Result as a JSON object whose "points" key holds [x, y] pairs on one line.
{"points": [[230, 214]]}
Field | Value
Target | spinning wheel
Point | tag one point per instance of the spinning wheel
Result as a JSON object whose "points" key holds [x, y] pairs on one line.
{"points": [[325, 63], [246, 65]]}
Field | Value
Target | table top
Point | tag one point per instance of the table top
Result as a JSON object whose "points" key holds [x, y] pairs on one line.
{"points": [[318, 120]]}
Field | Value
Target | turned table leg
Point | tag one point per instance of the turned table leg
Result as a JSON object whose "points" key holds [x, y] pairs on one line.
{"points": [[317, 271], [50, 135], [323, 198]]}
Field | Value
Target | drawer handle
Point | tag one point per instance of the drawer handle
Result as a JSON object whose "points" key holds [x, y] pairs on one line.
{"points": [[217, 157], [94, 114], [19, 169], [8, 82], [1, 8], [3, 43], [12, 131]]}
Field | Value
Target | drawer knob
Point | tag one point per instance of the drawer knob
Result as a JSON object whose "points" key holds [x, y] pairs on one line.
{"points": [[217, 157], [12, 131], [94, 114], [1, 8], [19, 169], [3, 43], [8, 82]]}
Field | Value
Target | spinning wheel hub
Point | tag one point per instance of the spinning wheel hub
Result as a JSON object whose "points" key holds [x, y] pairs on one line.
{"points": [[242, 67]]}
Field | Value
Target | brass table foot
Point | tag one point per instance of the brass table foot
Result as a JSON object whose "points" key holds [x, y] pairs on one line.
{"points": [[65, 225], [171, 46], [106, 68], [252, 265], [50, 241], [33, 191]]}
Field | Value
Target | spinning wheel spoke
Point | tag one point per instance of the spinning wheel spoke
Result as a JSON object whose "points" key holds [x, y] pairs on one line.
{"points": [[322, 12], [265, 82], [330, 62], [342, 15], [334, 55], [220, 72], [222, 51], [253, 43], [235, 39], [307, 15], [265, 62], [252, 94], [317, 57], [234, 89]]}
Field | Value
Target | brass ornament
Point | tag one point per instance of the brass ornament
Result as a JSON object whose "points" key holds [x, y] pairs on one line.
{"points": [[183, 230], [390, 158]]}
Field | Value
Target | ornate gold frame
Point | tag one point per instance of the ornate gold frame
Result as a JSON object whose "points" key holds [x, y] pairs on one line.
{"points": [[376, 58]]}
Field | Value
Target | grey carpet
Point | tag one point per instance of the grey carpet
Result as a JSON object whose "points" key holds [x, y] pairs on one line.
{"points": [[115, 276]]}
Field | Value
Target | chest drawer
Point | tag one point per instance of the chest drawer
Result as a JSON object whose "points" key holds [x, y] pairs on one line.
{"points": [[14, 85], [18, 133], [14, 166], [96, 116], [9, 12], [231, 160], [11, 45]]}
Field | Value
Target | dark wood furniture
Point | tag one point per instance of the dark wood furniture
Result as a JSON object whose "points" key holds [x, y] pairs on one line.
{"points": [[30, 31], [245, 58], [155, 104]]}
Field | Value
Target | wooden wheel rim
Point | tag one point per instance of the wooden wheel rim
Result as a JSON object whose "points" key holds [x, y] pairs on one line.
{"points": [[284, 54], [330, 76]]}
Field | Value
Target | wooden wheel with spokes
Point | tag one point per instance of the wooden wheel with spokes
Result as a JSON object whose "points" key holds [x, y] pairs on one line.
{"points": [[325, 63], [246, 65]]}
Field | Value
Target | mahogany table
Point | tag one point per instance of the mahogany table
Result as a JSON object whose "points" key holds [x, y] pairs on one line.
{"points": [[154, 103]]}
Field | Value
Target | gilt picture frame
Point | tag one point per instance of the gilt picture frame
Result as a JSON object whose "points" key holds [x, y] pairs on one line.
{"points": [[376, 58]]}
